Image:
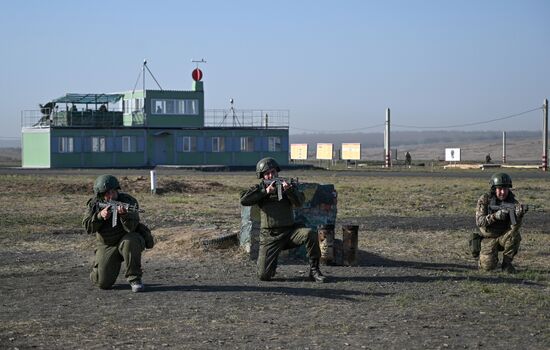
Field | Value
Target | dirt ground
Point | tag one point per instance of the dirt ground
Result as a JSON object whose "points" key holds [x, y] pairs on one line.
{"points": [[414, 287]]}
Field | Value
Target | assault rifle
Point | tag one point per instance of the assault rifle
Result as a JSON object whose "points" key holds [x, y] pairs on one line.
{"points": [[113, 205], [510, 209], [279, 184]]}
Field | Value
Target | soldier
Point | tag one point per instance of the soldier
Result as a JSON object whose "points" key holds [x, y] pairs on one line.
{"points": [[498, 233], [408, 159], [278, 229], [122, 242]]}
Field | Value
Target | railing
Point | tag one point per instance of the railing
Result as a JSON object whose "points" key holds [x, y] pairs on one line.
{"points": [[258, 118], [86, 118], [268, 119]]}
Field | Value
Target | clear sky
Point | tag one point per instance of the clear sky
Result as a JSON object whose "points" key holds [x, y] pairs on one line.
{"points": [[336, 65]]}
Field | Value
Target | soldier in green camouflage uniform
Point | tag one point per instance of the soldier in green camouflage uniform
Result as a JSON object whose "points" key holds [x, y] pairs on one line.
{"points": [[278, 230], [496, 231], [123, 242]]}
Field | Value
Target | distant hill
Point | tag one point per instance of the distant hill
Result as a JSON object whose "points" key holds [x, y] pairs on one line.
{"points": [[430, 145], [399, 138], [10, 143], [521, 146]]}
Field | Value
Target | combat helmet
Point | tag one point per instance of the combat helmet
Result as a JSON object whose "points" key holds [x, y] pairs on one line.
{"points": [[265, 164], [500, 180], [105, 183]]}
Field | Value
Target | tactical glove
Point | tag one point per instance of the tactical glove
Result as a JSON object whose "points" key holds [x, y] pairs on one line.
{"points": [[521, 209], [501, 214]]}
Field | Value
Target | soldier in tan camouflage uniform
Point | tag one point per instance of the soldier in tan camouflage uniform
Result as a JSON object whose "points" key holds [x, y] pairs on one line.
{"points": [[278, 229], [496, 229]]}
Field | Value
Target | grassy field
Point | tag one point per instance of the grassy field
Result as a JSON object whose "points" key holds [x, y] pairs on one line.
{"points": [[414, 264]]}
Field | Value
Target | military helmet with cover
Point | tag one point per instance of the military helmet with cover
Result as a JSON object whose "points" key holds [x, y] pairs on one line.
{"points": [[105, 183], [500, 180], [265, 164]]}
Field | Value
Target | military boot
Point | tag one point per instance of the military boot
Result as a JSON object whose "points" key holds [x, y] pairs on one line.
{"points": [[507, 265], [314, 271], [273, 271]]}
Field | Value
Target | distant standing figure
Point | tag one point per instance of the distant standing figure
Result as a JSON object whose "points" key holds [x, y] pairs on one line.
{"points": [[408, 159], [488, 158], [159, 110], [103, 108]]}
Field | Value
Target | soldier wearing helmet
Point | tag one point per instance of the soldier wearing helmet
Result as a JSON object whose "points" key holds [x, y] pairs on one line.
{"points": [[278, 229], [123, 240], [495, 213]]}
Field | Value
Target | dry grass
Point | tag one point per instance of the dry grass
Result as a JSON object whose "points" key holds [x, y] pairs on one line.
{"points": [[195, 205]]}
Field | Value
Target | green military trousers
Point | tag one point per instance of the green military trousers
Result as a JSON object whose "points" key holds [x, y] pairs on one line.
{"points": [[508, 243], [275, 240], [108, 259]]}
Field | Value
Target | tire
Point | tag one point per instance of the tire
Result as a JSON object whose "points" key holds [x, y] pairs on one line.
{"points": [[222, 241]]}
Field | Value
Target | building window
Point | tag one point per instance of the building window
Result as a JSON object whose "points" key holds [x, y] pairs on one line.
{"points": [[218, 144], [129, 144], [132, 105], [66, 145], [137, 104], [98, 144], [170, 107], [247, 144], [175, 107], [191, 107], [189, 143], [159, 106], [274, 144]]}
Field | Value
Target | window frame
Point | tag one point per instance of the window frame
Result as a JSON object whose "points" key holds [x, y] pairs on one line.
{"points": [[129, 144], [98, 144], [274, 144], [247, 143], [66, 144]]}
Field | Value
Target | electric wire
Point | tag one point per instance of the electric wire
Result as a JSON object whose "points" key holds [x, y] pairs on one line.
{"points": [[424, 127], [467, 124]]}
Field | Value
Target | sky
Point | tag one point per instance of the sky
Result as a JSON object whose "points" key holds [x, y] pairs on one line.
{"points": [[335, 65]]}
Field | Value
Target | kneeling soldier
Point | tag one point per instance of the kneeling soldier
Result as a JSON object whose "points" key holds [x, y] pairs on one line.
{"points": [[278, 230], [114, 217], [499, 217]]}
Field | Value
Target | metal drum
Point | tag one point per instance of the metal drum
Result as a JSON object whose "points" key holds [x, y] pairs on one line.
{"points": [[350, 243], [326, 243]]}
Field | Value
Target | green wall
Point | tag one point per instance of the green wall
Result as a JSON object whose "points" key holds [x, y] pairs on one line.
{"points": [[35, 150]]}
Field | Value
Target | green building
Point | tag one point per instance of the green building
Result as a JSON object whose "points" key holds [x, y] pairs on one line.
{"points": [[147, 128]]}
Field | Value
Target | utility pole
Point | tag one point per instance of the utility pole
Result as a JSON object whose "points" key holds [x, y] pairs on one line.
{"points": [[504, 147], [387, 150], [545, 136]]}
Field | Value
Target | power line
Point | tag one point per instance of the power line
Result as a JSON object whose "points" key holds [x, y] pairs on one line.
{"points": [[426, 127], [467, 124], [346, 130]]}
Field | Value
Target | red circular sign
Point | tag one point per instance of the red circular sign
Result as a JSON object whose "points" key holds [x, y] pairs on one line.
{"points": [[197, 74]]}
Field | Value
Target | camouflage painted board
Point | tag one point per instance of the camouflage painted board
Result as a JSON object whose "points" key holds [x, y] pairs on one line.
{"points": [[320, 208]]}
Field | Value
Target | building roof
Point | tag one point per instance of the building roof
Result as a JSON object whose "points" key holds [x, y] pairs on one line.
{"points": [[88, 98]]}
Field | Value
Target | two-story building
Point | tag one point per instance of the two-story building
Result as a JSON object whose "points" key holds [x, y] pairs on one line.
{"points": [[147, 128]]}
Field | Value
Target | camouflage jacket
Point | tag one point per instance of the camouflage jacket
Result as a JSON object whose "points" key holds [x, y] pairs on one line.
{"points": [[485, 218], [274, 213], [105, 233]]}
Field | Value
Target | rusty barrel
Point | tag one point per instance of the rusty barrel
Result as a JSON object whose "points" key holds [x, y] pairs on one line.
{"points": [[350, 244], [326, 243]]}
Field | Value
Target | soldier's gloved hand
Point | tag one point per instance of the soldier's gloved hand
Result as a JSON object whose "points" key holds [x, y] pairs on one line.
{"points": [[501, 214], [521, 209]]}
